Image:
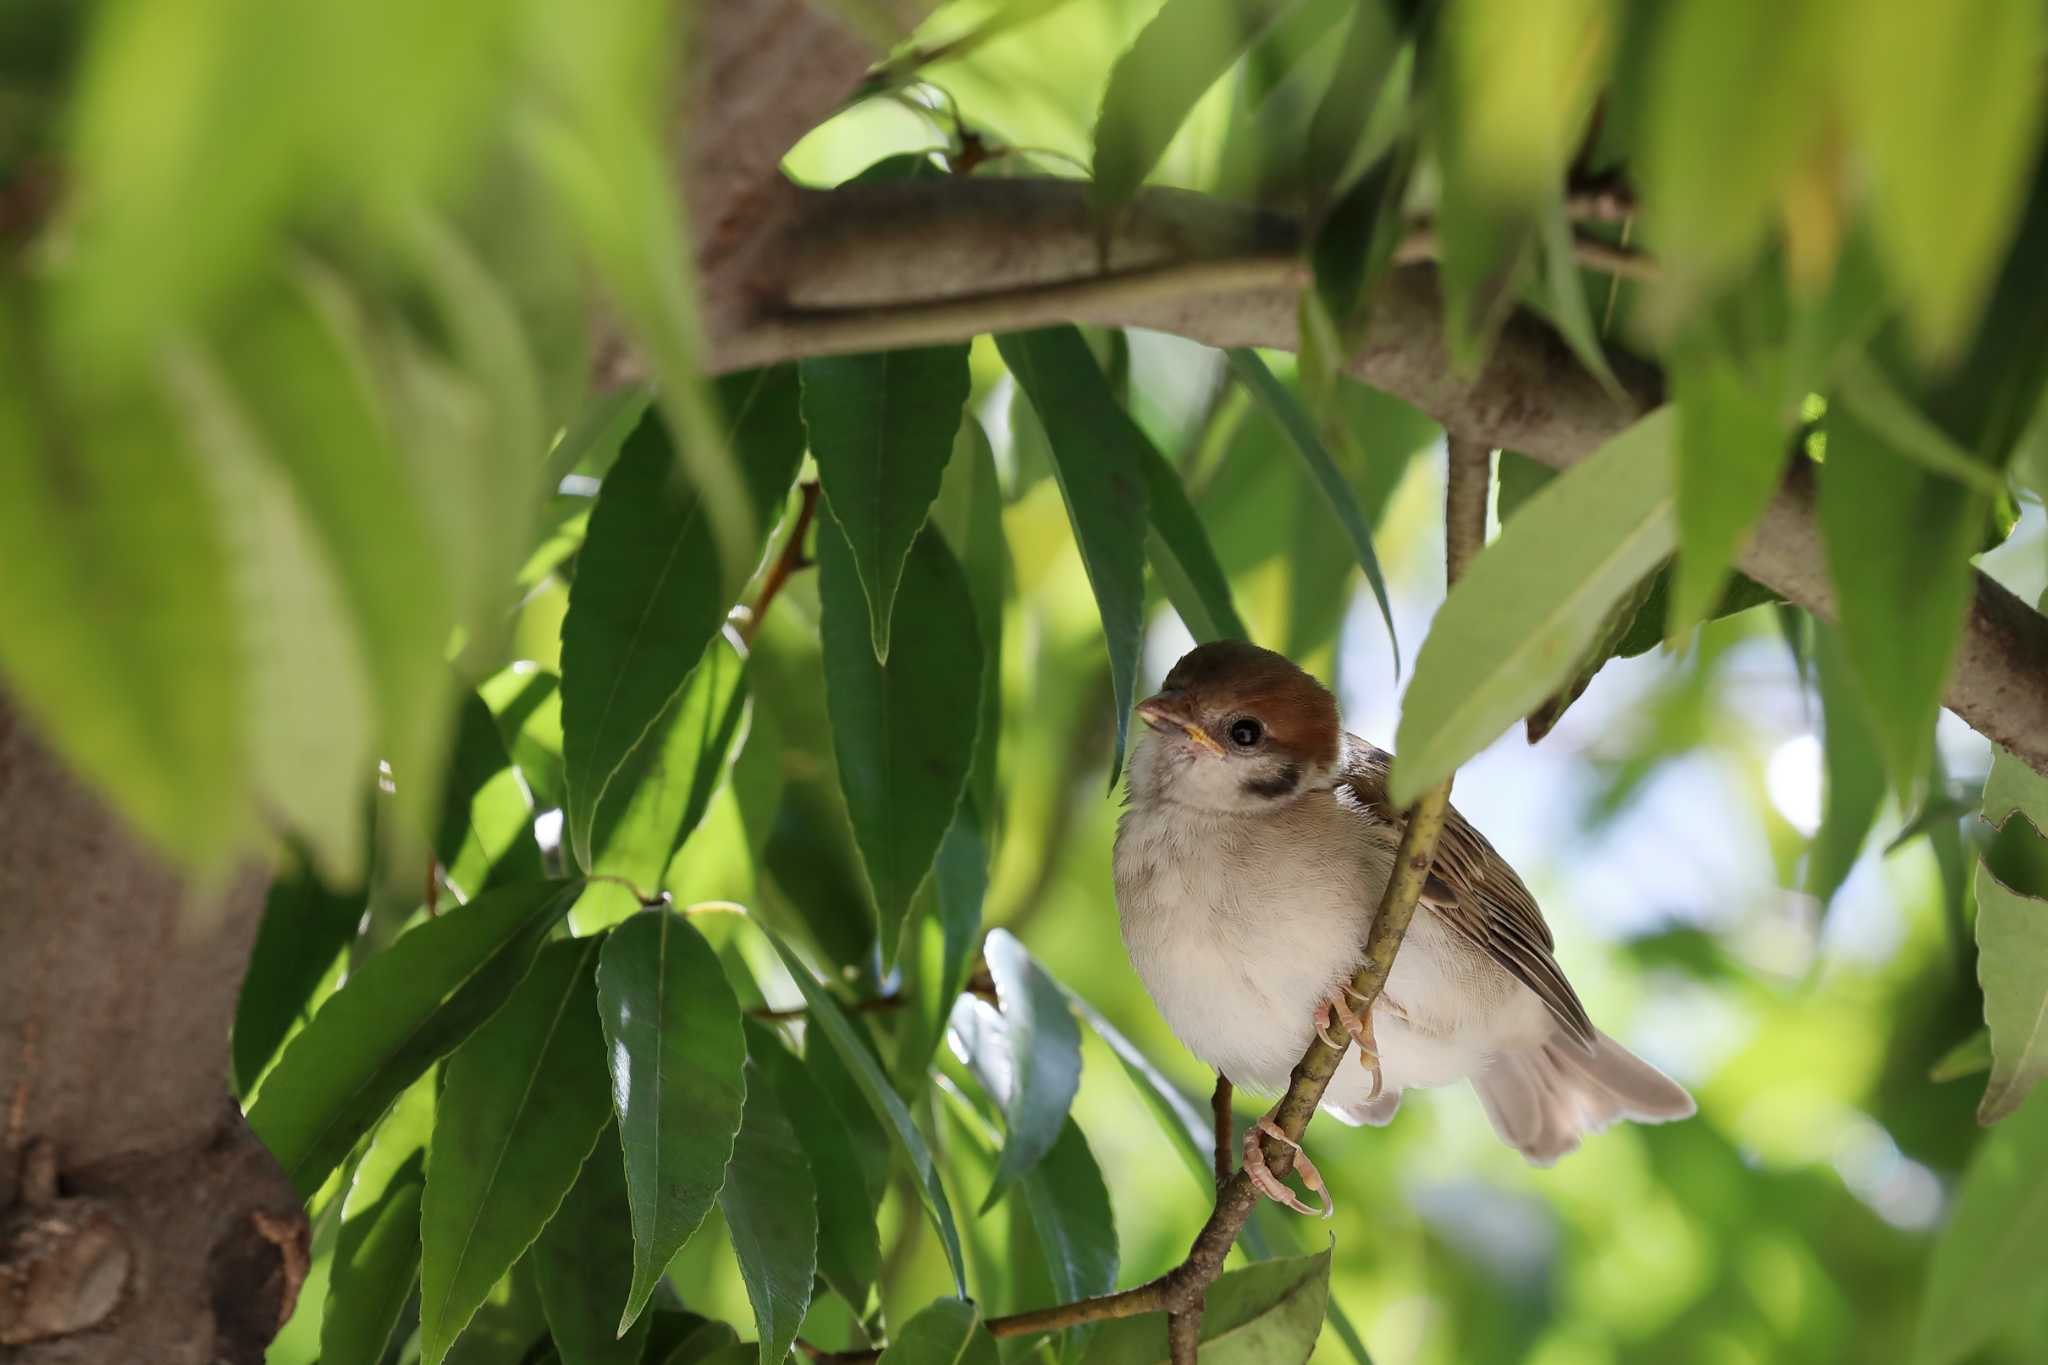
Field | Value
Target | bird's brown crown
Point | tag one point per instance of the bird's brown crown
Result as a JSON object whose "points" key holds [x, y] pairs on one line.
{"points": [[1229, 676]]}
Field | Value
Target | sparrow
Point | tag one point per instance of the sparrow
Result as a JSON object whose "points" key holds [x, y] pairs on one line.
{"points": [[1256, 840]]}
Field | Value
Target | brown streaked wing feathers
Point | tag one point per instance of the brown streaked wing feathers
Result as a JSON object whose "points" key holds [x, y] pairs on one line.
{"points": [[1472, 889]]}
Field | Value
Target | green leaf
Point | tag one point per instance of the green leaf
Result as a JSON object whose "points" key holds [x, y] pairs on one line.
{"points": [[1855, 772], [523, 1106], [1269, 1313], [1523, 616], [401, 1011], [827, 1018], [1947, 108], [969, 513], [1966, 1058], [376, 1264], [770, 1202], [1986, 1266], [649, 593], [1865, 390], [1175, 1114], [305, 927], [485, 837], [1153, 86], [1898, 541], [526, 702], [881, 429], [1097, 452], [664, 785], [944, 1332], [2012, 950], [672, 1031], [1044, 1054], [1372, 44], [849, 1250], [1565, 292], [1181, 555], [903, 731], [1070, 1211], [1287, 412], [1614, 629], [1732, 456], [583, 1260]]}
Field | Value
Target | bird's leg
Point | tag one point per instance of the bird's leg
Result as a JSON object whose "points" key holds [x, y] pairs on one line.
{"points": [[1359, 1026], [1266, 1183], [1322, 1023]]}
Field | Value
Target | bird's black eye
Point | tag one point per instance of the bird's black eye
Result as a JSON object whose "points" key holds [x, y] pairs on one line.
{"points": [[1245, 732]]}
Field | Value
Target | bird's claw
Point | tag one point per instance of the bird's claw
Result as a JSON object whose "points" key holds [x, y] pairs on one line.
{"points": [[1266, 1183], [1359, 1027]]}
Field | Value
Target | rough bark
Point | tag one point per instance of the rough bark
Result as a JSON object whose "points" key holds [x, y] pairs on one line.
{"points": [[139, 1217]]}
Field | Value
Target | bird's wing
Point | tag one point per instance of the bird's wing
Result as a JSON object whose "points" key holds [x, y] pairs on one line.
{"points": [[1472, 889]]}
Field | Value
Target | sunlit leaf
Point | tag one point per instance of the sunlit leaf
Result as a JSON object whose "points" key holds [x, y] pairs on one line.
{"points": [[1523, 615], [672, 1030], [485, 837], [1732, 454], [403, 1009], [584, 1260], [1269, 1313], [523, 1105], [1985, 1268], [946, 1332], [526, 702], [305, 926], [903, 731], [2012, 950], [881, 428], [1097, 454], [1614, 628], [376, 1262], [770, 1203], [1045, 1059], [2013, 788]]}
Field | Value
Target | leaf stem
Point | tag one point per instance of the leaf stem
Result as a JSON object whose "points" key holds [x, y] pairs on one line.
{"points": [[788, 562]]}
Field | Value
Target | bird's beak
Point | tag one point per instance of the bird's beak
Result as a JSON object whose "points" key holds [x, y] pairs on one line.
{"points": [[1168, 712]]}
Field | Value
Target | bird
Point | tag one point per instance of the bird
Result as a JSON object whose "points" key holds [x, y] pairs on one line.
{"points": [[1256, 838]]}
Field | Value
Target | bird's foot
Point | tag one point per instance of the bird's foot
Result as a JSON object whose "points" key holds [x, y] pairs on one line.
{"points": [[1266, 1183], [1358, 1026]]}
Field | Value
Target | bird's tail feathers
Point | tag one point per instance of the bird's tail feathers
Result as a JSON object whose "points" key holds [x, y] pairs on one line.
{"points": [[1542, 1100]]}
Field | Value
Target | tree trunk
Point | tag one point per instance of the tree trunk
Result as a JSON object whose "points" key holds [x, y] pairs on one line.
{"points": [[139, 1217]]}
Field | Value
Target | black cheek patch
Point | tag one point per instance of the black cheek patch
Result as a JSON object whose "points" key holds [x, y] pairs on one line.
{"points": [[1278, 785]]}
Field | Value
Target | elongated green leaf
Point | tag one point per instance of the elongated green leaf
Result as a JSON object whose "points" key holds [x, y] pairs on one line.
{"points": [[305, 926], [1181, 555], [485, 838], [770, 1203], [2012, 950], [672, 1028], [1176, 1115], [1855, 772], [1372, 43], [663, 786], [1898, 540], [649, 593], [1565, 291], [944, 1332], [1153, 86], [406, 1007], [1269, 1313], [1731, 458], [849, 1251], [376, 1263], [524, 1104], [1353, 249], [1949, 160], [1877, 403], [1614, 628], [1277, 400], [1986, 1267], [1069, 1206], [584, 1258], [881, 429], [715, 1343], [1097, 454], [526, 702], [969, 513], [903, 731], [827, 1018], [1524, 614], [1045, 1059], [1966, 1058]]}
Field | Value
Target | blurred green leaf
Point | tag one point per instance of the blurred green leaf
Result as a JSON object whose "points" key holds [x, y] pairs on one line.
{"points": [[770, 1203], [672, 1033], [1564, 292], [1045, 1059], [396, 1015], [849, 1252], [305, 927], [597, 433], [1372, 43], [1181, 556], [1269, 1313], [523, 1106], [881, 429], [376, 1262], [1277, 400], [1855, 771], [650, 558], [1152, 88], [1898, 540], [2012, 950], [903, 731], [663, 786], [1732, 456], [1523, 616], [1946, 104], [1866, 392], [1986, 1265], [526, 702], [944, 1332], [584, 1259], [1355, 240], [1098, 454], [827, 1018], [485, 838], [1966, 1058]]}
